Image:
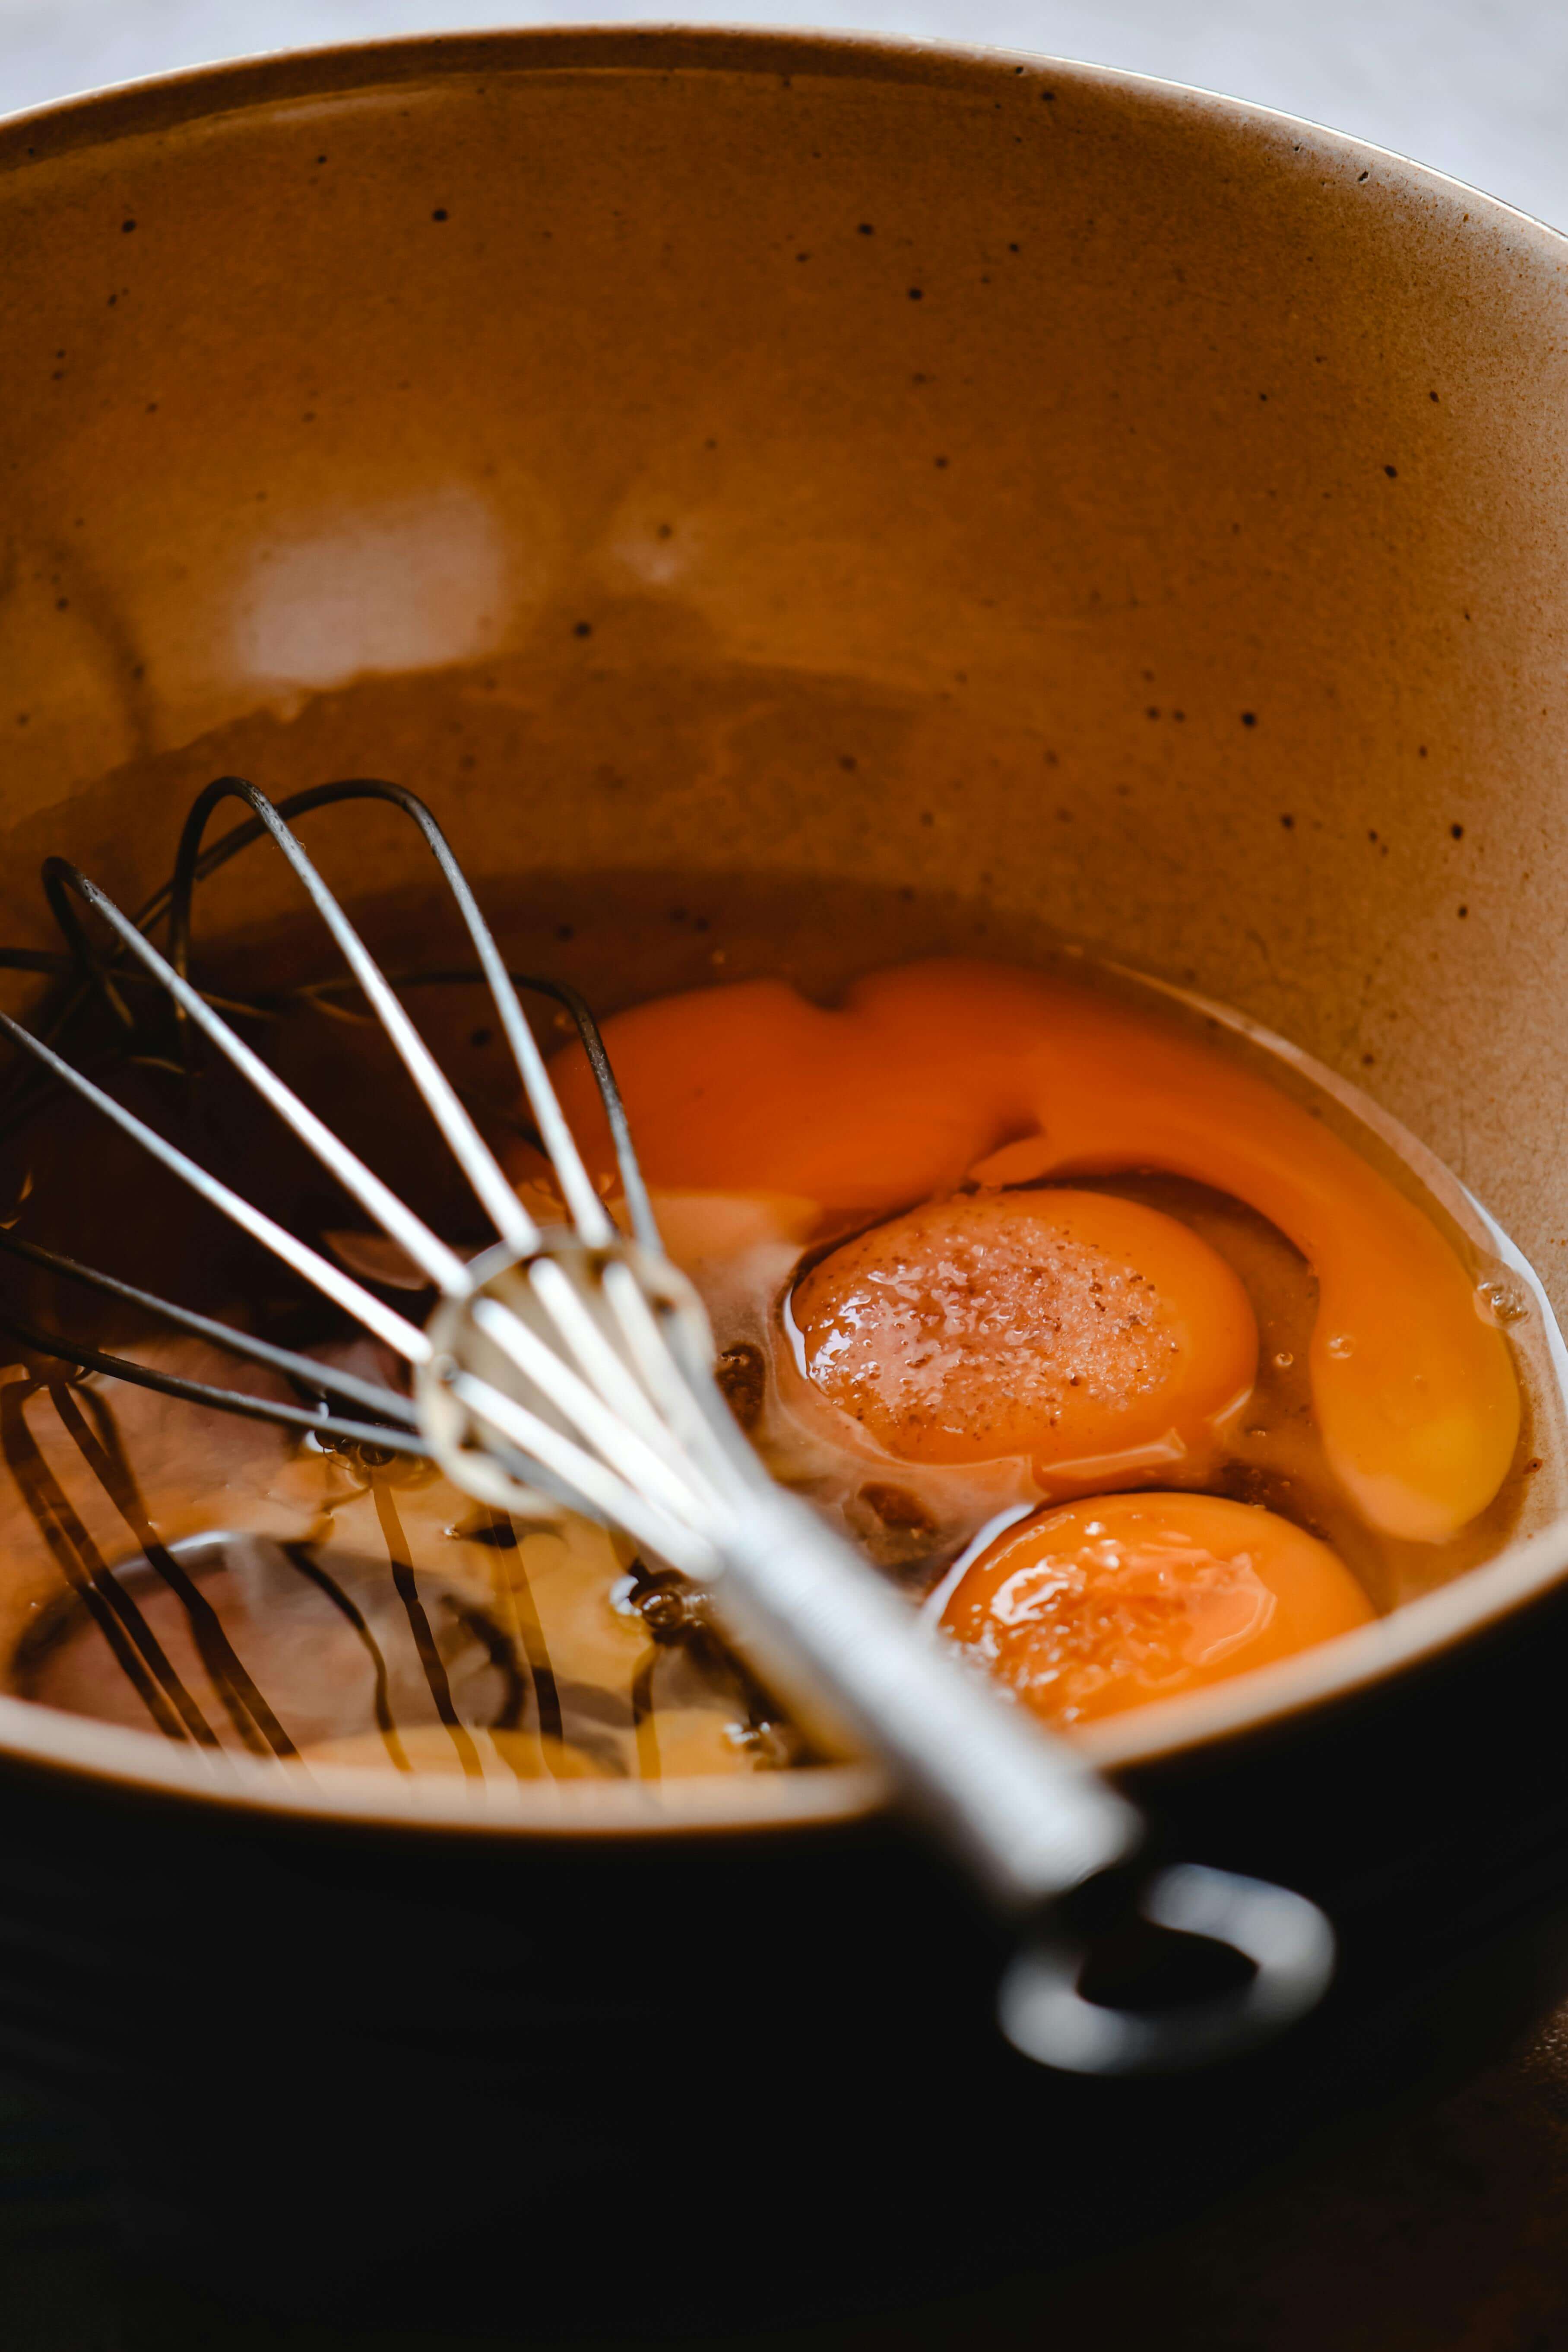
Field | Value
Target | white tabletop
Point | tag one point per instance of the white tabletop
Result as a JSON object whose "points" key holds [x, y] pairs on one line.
{"points": [[1478, 88]]}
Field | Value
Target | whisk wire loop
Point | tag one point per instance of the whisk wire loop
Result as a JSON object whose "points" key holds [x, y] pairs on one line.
{"points": [[463, 1138], [673, 1357], [441, 1265], [205, 1392], [604, 1493], [383, 1321], [321, 994], [500, 1200], [58, 877], [643, 1404], [396, 1419], [641, 1464], [307, 1371]]}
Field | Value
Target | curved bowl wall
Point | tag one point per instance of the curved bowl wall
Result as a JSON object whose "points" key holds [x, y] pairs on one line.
{"points": [[787, 460]]}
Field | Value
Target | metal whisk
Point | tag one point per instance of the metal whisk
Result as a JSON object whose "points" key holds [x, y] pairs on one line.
{"points": [[568, 1365]]}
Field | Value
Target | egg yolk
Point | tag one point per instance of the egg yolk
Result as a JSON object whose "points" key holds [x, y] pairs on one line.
{"points": [[1099, 1606], [945, 1073], [1090, 1333]]}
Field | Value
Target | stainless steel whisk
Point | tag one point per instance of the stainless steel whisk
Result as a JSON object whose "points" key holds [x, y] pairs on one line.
{"points": [[569, 1365]]}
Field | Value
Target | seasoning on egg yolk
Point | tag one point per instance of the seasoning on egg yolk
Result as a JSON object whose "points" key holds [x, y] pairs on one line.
{"points": [[1091, 1334], [1099, 1606], [947, 1072]]}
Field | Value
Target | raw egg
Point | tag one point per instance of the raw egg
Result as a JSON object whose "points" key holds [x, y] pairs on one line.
{"points": [[1099, 1606], [939, 1074], [1095, 1336]]}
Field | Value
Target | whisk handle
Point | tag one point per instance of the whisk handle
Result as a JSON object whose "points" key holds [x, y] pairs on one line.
{"points": [[1026, 1816]]}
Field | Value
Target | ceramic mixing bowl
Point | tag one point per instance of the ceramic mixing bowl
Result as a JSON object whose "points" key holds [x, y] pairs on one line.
{"points": [[890, 498]]}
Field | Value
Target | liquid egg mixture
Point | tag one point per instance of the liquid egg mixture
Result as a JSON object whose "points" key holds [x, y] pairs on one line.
{"points": [[1134, 1353]]}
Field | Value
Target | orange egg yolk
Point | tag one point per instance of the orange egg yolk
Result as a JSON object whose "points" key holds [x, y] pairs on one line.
{"points": [[1099, 1606], [1093, 1335], [943, 1073]]}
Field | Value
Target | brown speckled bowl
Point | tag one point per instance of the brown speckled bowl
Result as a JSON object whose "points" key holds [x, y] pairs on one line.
{"points": [[959, 498]]}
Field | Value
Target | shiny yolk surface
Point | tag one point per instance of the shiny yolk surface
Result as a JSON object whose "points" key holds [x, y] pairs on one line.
{"points": [[1088, 1333], [1100, 1606], [941, 1073]]}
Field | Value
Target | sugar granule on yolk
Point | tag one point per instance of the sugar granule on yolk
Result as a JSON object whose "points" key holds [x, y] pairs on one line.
{"points": [[1076, 1328], [1107, 1604]]}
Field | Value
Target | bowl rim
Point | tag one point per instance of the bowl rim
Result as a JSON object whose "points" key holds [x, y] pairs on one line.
{"points": [[44, 1740], [164, 99]]}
